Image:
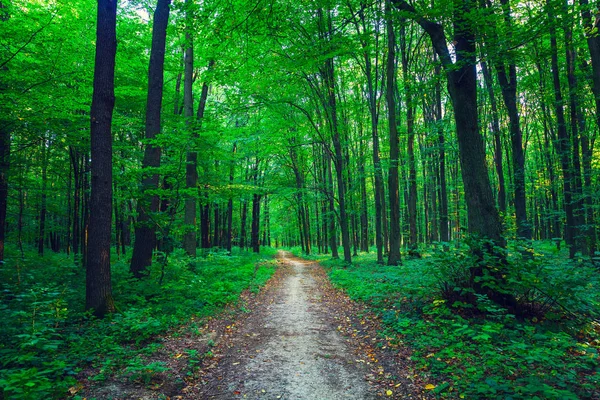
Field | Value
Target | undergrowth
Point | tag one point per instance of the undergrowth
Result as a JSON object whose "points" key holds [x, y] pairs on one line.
{"points": [[46, 338], [481, 351]]}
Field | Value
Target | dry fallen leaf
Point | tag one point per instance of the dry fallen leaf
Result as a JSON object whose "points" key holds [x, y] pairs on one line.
{"points": [[429, 386]]}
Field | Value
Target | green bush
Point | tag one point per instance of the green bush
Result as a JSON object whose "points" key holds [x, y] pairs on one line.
{"points": [[488, 354], [46, 337]]}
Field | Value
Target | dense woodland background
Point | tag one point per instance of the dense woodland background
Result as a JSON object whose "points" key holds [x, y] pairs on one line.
{"points": [[453, 139]]}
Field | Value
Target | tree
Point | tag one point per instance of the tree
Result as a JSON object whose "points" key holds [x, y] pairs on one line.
{"points": [[191, 172], [145, 230], [98, 276], [393, 184], [483, 218]]}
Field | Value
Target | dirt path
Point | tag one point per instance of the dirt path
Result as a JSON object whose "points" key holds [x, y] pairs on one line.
{"points": [[290, 349], [299, 338]]}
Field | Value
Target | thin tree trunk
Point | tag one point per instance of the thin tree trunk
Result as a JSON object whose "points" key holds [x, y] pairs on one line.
{"points": [[4, 173], [393, 184], [230, 202], [489, 84], [577, 125], [338, 161], [333, 236], [364, 211], [191, 173], [43, 201], [75, 159], [508, 86], [410, 131], [243, 218], [562, 143], [443, 192], [255, 233]]}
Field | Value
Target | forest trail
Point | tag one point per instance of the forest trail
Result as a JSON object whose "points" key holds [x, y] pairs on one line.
{"points": [[290, 348], [298, 338]]}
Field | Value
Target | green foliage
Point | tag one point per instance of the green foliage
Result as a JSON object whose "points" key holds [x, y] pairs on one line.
{"points": [[46, 338], [487, 353], [137, 370]]}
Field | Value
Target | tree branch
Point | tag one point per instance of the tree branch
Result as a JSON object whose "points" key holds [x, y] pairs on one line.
{"points": [[433, 29]]}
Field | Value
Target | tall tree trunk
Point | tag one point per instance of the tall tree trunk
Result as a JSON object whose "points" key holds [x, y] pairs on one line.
{"points": [[338, 160], [364, 211], [547, 152], [577, 124], [378, 190], [77, 175], [256, 199], [98, 282], [243, 218], [410, 131], [562, 143], [443, 191], [393, 184], [483, 217], [230, 202], [508, 86], [4, 158], [328, 74], [205, 220], [191, 173], [216, 224], [43, 201], [331, 216], [489, 84], [145, 230], [4, 171], [593, 42], [255, 233]]}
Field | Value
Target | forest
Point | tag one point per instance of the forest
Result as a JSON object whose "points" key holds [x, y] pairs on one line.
{"points": [[437, 158]]}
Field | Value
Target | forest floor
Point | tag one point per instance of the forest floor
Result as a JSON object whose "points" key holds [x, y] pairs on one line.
{"points": [[299, 338]]}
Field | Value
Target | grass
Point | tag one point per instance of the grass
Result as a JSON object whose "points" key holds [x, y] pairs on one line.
{"points": [[46, 338], [487, 353]]}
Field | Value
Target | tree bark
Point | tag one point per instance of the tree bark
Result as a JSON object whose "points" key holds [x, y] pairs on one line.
{"points": [[4, 173], [230, 202], [443, 192], [43, 200], [191, 173], [256, 199], [378, 190], [593, 43], [483, 218], [410, 131], [562, 143], [364, 211], [577, 124], [145, 230], [98, 280], [393, 184], [508, 86], [331, 216], [489, 84]]}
